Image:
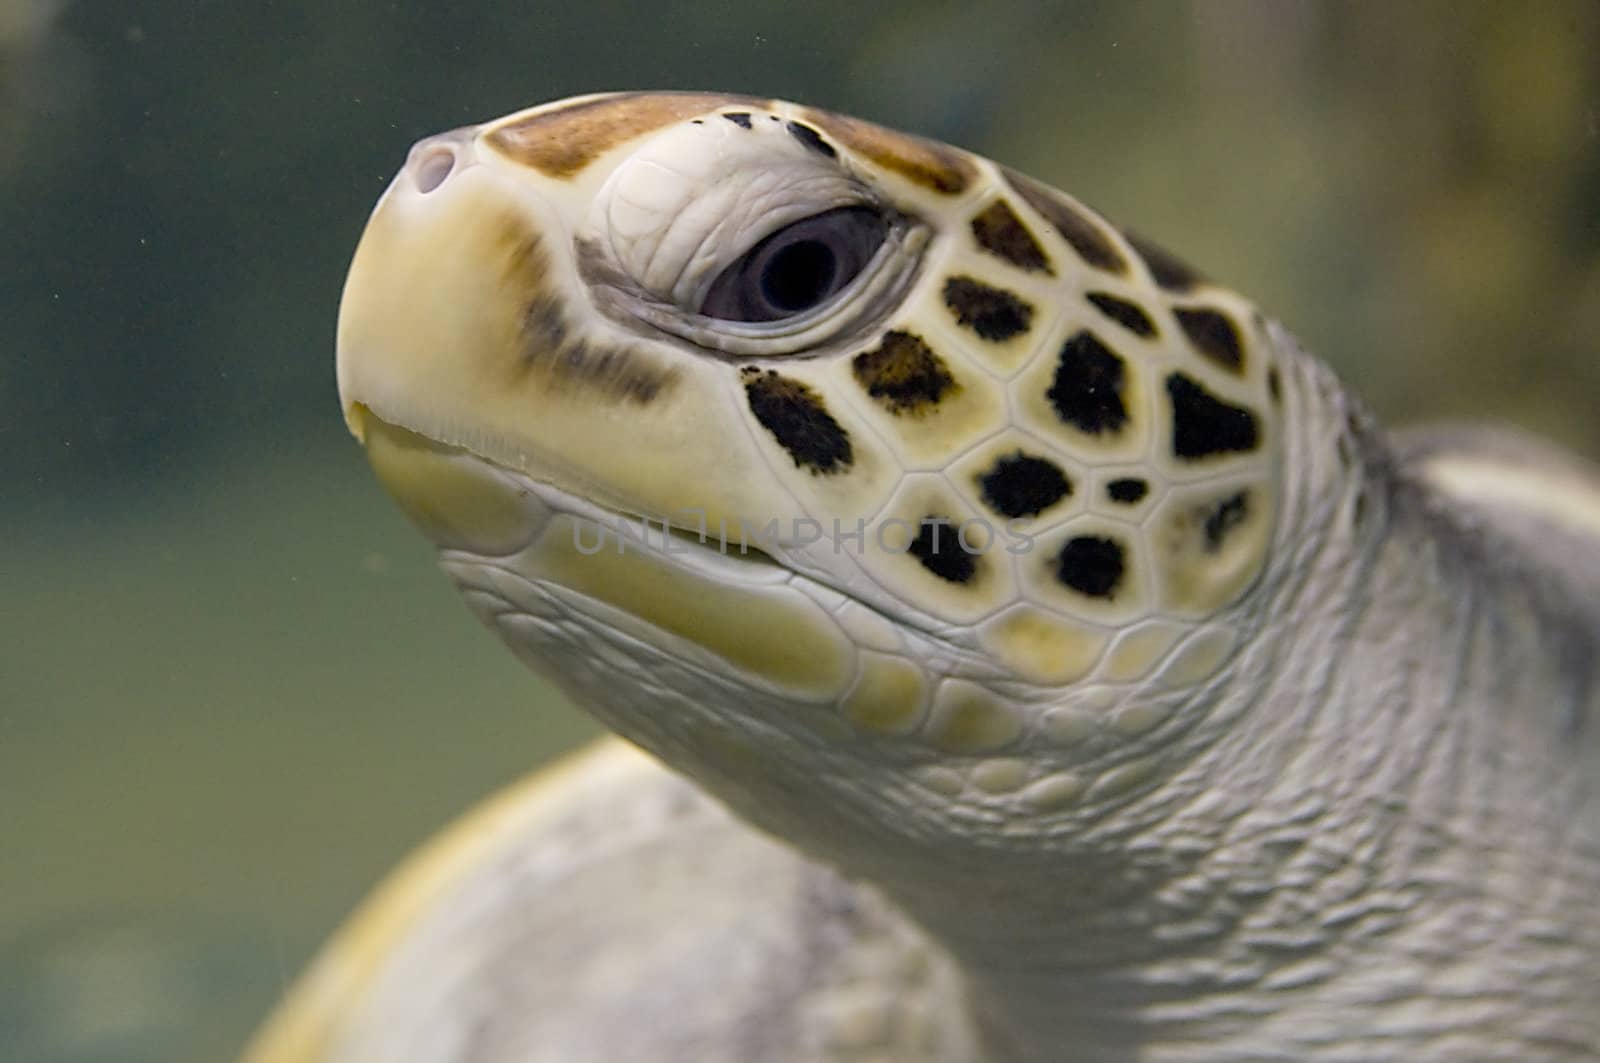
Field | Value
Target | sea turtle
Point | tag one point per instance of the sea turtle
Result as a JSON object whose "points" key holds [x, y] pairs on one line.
{"points": [[1050, 660]]}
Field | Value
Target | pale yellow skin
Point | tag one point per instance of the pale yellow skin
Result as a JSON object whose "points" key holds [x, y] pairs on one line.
{"points": [[1139, 790]]}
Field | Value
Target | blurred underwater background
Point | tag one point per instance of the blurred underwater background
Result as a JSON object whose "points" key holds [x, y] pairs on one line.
{"points": [[234, 690]]}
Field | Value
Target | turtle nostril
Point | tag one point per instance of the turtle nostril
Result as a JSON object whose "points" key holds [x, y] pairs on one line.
{"points": [[433, 168]]}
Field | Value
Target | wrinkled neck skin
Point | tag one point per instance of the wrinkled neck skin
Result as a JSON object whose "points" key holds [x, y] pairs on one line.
{"points": [[1344, 857], [1352, 860]]}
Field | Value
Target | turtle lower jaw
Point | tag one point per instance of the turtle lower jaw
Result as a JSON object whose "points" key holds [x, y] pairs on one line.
{"points": [[462, 501], [455, 498]]}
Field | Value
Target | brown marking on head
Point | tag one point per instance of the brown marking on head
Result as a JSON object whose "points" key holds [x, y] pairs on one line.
{"points": [[925, 162], [1000, 232], [1075, 227], [1129, 315], [904, 374], [1023, 485], [549, 347], [1128, 490], [1214, 335], [1092, 565], [993, 313], [1204, 425], [1087, 390], [799, 421], [1166, 269], [939, 548], [811, 140], [564, 360], [561, 141], [1223, 517]]}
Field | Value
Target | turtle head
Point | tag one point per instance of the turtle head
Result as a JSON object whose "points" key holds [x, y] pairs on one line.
{"points": [[889, 493]]}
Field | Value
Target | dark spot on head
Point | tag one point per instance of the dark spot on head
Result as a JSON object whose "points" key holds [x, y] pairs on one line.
{"points": [[739, 118], [1204, 425], [1091, 565], [1358, 511], [1166, 269], [1020, 485], [1225, 516], [544, 325], [925, 162], [938, 547], [904, 374], [1127, 491], [1213, 334], [1086, 238], [1124, 313], [1274, 384], [1087, 390], [799, 421], [994, 314], [811, 139], [1001, 233]]}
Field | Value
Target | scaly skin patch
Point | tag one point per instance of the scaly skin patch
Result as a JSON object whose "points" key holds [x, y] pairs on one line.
{"points": [[1138, 649], [968, 718], [889, 697], [1043, 648]]}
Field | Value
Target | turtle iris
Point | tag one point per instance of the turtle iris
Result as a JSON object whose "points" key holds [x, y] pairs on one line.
{"points": [[797, 268]]}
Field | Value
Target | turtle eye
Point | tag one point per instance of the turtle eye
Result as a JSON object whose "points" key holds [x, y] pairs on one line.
{"points": [[797, 268]]}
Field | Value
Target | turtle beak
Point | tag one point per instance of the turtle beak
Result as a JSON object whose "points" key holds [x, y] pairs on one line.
{"points": [[400, 325], [405, 278]]}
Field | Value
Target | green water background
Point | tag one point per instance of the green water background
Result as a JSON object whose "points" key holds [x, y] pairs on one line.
{"points": [[233, 688]]}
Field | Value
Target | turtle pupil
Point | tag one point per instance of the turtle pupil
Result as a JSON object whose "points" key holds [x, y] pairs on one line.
{"points": [[798, 268], [799, 276]]}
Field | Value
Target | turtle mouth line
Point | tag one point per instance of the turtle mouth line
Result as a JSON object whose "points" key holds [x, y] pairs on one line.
{"points": [[598, 528], [704, 540]]}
